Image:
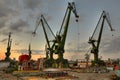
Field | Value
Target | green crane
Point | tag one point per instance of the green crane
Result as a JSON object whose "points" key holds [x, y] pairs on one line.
{"points": [[59, 39], [96, 43], [7, 58], [61, 36], [50, 45]]}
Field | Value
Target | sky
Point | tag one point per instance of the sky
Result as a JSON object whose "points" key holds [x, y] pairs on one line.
{"points": [[20, 16]]}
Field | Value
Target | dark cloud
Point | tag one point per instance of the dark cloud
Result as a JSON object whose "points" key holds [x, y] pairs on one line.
{"points": [[19, 25], [5, 10], [2, 23], [83, 47], [6, 14], [31, 4], [5, 32], [113, 46], [2, 14], [4, 40], [29, 32], [13, 15]]}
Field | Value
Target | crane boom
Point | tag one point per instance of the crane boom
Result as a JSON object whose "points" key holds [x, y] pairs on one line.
{"points": [[47, 40]]}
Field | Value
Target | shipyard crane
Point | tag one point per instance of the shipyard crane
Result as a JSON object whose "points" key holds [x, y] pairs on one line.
{"points": [[58, 42], [50, 45], [96, 43], [29, 50], [8, 53], [61, 36]]}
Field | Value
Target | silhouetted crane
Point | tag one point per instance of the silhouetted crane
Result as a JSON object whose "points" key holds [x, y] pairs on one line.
{"points": [[59, 39], [96, 43], [8, 53]]}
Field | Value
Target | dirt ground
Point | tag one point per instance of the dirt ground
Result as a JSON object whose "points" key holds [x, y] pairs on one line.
{"points": [[81, 76], [4, 76], [93, 76]]}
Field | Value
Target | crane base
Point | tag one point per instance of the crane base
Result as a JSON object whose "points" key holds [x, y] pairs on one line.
{"points": [[58, 63]]}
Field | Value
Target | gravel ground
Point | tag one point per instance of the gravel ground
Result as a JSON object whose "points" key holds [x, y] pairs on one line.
{"points": [[4, 76], [81, 76], [93, 76]]}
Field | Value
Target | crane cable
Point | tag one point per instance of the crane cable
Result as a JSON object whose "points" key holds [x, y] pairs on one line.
{"points": [[78, 34]]}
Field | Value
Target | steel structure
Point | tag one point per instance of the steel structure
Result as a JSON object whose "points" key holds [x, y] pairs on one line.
{"points": [[59, 40], [96, 43], [8, 53]]}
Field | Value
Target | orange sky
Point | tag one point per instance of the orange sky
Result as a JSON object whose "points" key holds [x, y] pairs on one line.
{"points": [[16, 55], [69, 56]]}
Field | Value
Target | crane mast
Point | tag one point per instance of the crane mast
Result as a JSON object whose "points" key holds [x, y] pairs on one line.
{"points": [[95, 48]]}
